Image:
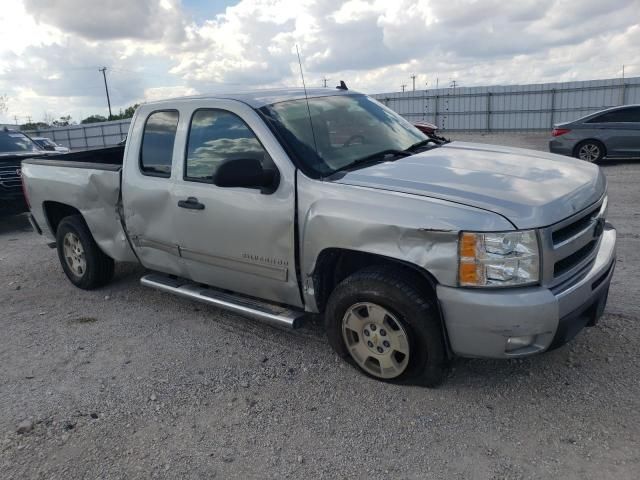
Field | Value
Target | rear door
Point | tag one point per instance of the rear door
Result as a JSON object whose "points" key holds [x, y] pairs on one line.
{"points": [[148, 181]]}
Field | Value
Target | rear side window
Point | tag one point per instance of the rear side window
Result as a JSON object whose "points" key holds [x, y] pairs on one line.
{"points": [[216, 136], [158, 138], [626, 115]]}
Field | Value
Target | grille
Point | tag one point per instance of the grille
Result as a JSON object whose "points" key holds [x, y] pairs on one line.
{"points": [[571, 245], [9, 177], [574, 259], [571, 230]]}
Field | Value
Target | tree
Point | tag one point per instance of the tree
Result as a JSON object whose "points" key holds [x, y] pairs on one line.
{"points": [[63, 121], [128, 113], [93, 119], [34, 126]]}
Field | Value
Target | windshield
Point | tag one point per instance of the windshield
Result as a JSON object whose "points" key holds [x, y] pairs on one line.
{"points": [[16, 142], [44, 142], [346, 128]]}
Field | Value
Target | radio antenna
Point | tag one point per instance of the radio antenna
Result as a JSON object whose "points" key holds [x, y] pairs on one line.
{"points": [[306, 97]]}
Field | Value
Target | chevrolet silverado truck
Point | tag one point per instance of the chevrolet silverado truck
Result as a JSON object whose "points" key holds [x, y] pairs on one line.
{"points": [[279, 205]]}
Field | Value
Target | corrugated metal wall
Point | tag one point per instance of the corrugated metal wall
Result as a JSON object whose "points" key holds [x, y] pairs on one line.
{"points": [[90, 135], [515, 107]]}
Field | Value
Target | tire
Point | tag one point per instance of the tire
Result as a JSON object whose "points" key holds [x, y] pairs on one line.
{"points": [[85, 265], [591, 151], [399, 302]]}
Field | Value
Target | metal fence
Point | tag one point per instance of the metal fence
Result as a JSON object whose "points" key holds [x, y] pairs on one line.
{"points": [[90, 135], [498, 108], [517, 107]]}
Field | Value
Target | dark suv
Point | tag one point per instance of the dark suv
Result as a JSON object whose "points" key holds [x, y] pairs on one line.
{"points": [[611, 133], [14, 147]]}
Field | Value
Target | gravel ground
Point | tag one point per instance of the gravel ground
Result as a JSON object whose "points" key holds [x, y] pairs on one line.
{"points": [[126, 382]]}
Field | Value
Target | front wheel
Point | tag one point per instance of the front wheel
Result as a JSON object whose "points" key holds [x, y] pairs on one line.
{"points": [[83, 262], [379, 320]]}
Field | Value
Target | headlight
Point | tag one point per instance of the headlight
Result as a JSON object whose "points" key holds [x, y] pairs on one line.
{"points": [[500, 259]]}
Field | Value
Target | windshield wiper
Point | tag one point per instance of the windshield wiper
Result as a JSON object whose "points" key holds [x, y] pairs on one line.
{"points": [[374, 157], [421, 143]]}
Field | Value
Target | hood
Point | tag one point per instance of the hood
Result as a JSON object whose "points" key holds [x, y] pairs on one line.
{"points": [[530, 188], [20, 155]]}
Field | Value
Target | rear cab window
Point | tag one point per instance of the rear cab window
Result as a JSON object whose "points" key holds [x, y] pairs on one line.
{"points": [[158, 138]]}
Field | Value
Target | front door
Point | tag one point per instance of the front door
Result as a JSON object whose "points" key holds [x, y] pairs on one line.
{"points": [[239, 239]]}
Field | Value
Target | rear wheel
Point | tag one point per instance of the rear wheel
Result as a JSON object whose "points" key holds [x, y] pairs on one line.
{"points": [[83, 262], [379, 320], [590, 151]]}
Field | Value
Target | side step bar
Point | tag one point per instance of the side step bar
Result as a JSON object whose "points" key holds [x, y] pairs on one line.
{"points": [[273, 314]]}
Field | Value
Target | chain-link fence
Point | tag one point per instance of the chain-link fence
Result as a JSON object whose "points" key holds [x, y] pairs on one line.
{"points": [[517, 107]]}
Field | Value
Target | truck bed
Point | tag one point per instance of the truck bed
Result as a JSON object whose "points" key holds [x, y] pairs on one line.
{"points": [[109, 158], [88, 182]]}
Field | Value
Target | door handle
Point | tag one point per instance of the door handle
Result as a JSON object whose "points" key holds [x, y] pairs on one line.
{"points": [[191, 203]]}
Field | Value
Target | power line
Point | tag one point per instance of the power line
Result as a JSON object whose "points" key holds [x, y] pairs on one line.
{"points": [[104, 75]]}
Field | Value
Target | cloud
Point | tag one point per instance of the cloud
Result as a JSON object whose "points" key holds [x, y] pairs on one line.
{"points": [[50, 49], [111, 19]]}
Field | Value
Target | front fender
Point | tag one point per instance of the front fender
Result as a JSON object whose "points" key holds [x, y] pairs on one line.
{"points": [[419, 230]]}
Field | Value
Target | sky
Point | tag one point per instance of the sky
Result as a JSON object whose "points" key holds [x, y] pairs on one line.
{"points": [[50, 50]]}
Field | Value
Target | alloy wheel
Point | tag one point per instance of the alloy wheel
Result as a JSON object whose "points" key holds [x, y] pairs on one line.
{"points": [[376, 340]]}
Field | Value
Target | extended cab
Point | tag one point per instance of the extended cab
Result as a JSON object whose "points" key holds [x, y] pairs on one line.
{"points": [[275, 206]]}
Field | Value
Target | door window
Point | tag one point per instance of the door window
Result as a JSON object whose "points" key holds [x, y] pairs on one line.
{"points": [[158, 138], [216, 136]]}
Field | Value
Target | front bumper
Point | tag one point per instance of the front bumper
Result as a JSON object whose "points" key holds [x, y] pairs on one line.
{"points": [[480, 323]]}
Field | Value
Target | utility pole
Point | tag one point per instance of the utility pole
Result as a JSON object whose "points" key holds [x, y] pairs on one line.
{"points": [[15, 117], [413, 78], [403, 86], [28, 118], [324, 82], [104, 75], [453, 84]]}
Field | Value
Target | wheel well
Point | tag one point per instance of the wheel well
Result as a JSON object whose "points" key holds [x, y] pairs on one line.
{"points": [[593, 140], [56, 211], [336, 264]]}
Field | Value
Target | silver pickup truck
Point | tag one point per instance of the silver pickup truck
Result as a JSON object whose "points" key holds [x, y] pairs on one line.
{"points": [[277, 206]]}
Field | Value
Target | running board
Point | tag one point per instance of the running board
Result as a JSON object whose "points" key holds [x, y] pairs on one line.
{"points": [[266, 312]]}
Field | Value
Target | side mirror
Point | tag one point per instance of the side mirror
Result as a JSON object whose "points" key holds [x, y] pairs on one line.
{"points": [[247, 173]]}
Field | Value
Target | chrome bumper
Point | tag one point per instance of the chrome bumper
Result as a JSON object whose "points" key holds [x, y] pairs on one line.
{"points": [[523, 321]]}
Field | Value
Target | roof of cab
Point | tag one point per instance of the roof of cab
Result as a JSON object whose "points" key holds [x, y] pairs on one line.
{"points": [[260, 98]]}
